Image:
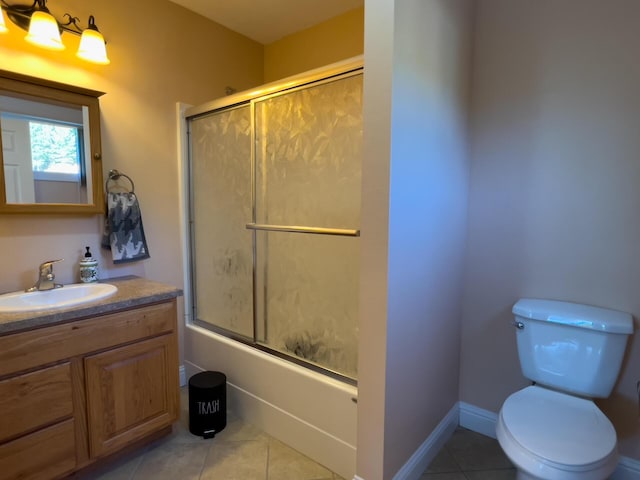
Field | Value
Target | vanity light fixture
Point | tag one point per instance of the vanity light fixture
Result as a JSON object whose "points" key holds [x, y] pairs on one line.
{"points": [[44, 30]]}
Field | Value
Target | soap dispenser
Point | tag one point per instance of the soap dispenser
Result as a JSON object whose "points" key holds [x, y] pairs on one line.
{"points": [[88, 268]]}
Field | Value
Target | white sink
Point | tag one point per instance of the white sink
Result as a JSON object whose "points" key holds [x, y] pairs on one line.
{"points": [[67, 296]]}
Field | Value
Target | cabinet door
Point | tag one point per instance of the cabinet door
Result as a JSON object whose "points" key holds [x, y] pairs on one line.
{"points": [[132, 391]]}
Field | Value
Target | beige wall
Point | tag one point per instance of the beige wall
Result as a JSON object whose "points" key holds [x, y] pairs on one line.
{"points": [[328, 42], [414, 207], [554, 197], [160, 54]]}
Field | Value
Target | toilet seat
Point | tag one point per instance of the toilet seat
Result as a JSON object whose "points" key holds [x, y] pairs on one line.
{"points": [[555, 435]]}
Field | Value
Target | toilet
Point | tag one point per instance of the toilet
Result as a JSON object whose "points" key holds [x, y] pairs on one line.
{"points": [[552, 430]]}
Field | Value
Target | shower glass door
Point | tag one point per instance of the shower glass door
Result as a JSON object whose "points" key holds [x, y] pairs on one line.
{"points": [[308, 150], [222, 253], [275, 207]]}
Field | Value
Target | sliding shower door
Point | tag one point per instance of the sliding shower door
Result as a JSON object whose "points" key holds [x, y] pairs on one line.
{"points": [[276, 217], [308, 163], [222, 253]]}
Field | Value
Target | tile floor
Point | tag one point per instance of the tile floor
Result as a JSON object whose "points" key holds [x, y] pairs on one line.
{"points": [[240, 452], [470, 456], [243, 452]]}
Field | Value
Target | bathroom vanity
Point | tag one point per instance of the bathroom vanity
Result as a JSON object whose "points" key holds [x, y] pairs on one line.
{"points": [[80, 384]]}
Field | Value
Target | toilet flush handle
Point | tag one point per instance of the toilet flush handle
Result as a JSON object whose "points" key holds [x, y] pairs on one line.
{"points": [[518, 325]]}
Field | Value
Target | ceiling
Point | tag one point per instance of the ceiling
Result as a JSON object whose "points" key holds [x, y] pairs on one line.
{"points": [[266, 21]]}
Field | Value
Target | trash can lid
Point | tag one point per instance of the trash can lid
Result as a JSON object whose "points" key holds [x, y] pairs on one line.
{"points": [[207, 379]]}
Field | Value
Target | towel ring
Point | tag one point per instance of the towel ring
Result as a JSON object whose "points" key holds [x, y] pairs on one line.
{"points": [[115, 175]]}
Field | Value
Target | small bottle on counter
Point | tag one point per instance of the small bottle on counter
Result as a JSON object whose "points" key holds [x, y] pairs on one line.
{"points": [[88, 268]]}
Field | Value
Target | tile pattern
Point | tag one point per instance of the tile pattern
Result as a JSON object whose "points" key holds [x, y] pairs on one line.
{"points": [[243, 452], [239, 452], [470, 456]]}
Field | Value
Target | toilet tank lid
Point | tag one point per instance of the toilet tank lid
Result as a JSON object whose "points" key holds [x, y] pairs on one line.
{"points": [[575, 314]]}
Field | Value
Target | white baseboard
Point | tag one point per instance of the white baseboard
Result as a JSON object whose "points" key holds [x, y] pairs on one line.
{"points": [[484, 422], [422, 457], [478, 420], [628, 469]]}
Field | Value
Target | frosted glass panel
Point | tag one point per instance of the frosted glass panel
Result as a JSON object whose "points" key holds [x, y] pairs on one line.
{"points": [[308, 173], [308, 156], [308, 295], [221, 196]]}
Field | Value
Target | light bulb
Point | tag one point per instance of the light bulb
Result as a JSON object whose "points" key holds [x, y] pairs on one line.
{"points": [[44, 31], [92, 47], [3, 25]]}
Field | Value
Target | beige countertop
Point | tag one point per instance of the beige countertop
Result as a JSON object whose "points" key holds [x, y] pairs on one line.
{"points": [[132, 292]]}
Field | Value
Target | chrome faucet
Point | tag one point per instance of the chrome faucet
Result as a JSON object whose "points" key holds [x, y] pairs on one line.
{"points": [[46, 277]]}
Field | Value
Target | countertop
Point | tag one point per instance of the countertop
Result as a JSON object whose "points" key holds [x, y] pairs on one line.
{"points": [[132, 292]]}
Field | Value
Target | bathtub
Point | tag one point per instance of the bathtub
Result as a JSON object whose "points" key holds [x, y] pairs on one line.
{"points": [[309, 411]]}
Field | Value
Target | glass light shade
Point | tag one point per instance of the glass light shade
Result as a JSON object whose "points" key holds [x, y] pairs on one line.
{"points": [[44, 31], [92, 47], [3, 25]]}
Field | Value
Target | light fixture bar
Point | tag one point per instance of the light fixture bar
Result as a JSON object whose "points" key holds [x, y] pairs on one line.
{"points": [[20, 15]]}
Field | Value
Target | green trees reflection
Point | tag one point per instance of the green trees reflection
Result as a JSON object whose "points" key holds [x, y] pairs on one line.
{"points": [[54, 147]]}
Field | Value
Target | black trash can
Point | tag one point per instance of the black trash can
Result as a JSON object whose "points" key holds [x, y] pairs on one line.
{"points": [[207, 403]]}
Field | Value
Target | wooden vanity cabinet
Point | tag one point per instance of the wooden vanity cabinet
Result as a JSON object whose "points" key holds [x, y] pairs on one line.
{"points": [[73, 393]]}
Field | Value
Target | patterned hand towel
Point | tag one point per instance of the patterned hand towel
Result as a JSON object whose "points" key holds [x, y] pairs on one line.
{"points": [[123, 232]]}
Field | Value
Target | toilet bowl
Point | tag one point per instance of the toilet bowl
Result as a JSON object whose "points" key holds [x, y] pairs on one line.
{"points": [[550, 435], [552, 430]]}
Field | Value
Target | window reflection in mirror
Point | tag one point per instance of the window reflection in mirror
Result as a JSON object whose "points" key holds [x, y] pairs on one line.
{"points": [[43, 147], [50, 147]]}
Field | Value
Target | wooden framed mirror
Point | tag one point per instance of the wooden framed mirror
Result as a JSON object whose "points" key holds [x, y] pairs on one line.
{"points": [[50, 147]]}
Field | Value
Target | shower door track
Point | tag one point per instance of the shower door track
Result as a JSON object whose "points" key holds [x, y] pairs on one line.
{"points": [[250, 342]]}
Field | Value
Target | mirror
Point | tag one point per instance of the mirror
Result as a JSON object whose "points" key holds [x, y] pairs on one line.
{"points": [[50, 147]]}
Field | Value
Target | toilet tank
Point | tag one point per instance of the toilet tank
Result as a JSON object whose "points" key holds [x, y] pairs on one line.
{"points": [[571, 347]]}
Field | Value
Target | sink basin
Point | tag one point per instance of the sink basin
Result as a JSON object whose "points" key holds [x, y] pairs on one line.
{"points": [[67, 296]]}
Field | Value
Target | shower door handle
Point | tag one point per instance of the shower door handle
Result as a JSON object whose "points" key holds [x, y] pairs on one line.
{"points": [[299, 229]]}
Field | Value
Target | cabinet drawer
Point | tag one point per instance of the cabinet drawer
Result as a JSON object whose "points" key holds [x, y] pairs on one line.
{"points": [[32, 348], [45, 454], [34, 400]]}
